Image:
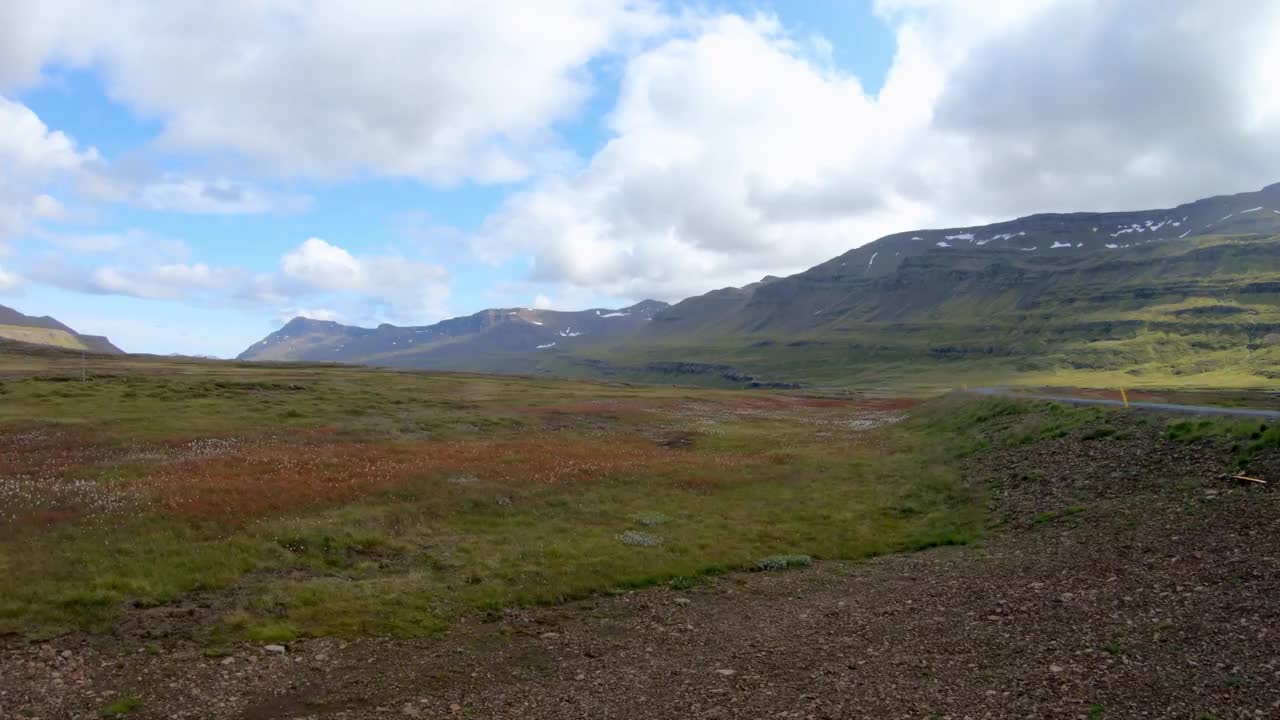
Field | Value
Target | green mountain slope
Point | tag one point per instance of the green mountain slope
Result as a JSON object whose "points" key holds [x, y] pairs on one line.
{"points": [[1154, 295], [47, 331]]}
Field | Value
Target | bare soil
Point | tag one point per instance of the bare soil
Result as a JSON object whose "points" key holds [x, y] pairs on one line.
{"points": [[1122, 578]]}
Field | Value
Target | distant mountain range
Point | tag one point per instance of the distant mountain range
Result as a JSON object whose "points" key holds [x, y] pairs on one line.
{"points": [[16, 327], [1193, 289], [503, 340]]}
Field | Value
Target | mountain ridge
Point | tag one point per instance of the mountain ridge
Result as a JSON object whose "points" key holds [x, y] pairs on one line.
{"points": [[506, 337], [1039, 293], [1045, 234]]}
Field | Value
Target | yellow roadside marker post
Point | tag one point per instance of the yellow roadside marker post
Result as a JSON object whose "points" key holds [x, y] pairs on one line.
{"points": [[1125, 397]]}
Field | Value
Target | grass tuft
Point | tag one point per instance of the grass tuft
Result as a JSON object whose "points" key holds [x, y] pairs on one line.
{"points": [[122, 707]]}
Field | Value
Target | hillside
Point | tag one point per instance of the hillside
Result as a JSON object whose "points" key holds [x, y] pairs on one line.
{"points": [[1179, 294], [1138, 296], [920, 274], [48, 331]]}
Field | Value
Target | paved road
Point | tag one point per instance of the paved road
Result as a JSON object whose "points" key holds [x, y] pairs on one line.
{"points": [[1163, 407]]}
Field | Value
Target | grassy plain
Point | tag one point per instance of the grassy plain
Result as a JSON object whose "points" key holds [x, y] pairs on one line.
{"points": [[229, 501]]}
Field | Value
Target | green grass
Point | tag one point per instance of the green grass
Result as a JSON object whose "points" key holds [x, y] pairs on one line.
{"points": [[1247, 439], [408, 558], [750, 485]]}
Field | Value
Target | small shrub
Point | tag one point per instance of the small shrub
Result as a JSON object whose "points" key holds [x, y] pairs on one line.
{"points": [[684, 582]]}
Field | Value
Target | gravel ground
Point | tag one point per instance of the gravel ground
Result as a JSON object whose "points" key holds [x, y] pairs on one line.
{"points": [[1126, 580]]}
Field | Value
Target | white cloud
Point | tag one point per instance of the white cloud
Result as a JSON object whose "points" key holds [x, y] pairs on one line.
{"points": [[126, 246], [392, 288], [737, 150], [30, 149], [170, 192], [315, 274], [168, 282], [47, 207], [730, 159], [31, 157], [35, 158], [542, 302], [9, 282], [310, 313], [441, 90], [324, 266]]}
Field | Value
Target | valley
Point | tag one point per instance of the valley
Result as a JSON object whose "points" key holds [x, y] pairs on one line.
{"points": [[1186, 296], [214, 539], [639, 360]]}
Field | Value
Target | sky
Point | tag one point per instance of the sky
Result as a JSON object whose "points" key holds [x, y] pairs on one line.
{"points": [[186, 176]]}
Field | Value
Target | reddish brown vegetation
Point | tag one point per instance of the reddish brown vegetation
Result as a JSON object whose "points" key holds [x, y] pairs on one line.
{"points": [[51, 476], [231, 480]]}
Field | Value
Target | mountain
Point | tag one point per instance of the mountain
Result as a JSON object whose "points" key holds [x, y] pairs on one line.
{"points": [[503, 340], [917, 274], [1191, 292], [47, 331]]}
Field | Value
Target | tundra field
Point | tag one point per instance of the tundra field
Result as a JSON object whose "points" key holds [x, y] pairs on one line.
{"points": [[211, 539], [319, 501]]}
